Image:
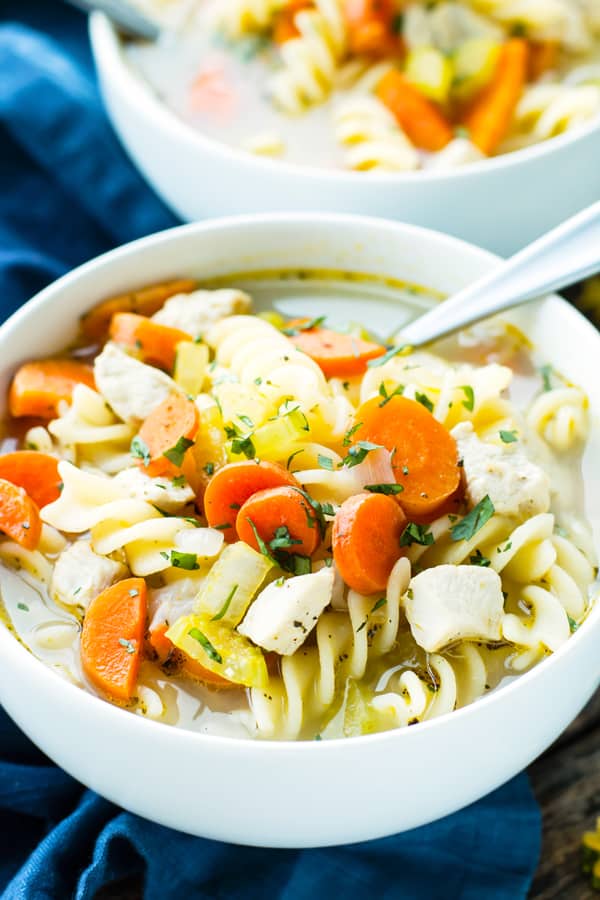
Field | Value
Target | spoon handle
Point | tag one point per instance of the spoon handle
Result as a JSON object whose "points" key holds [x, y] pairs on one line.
{"points": [[559, 258], [125, 16]]}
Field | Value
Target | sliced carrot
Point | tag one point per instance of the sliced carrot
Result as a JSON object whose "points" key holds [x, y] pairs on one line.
{"points": [[543, 56], [489, 117], [176, 659], [35, 472], [147, 301], [279, 508], [370, 26], [231, 486], [156, 343], [366, 540], [336, 354], [169, 429], [19, 515], [423, 122], [284, 24], [112, 638], [425, 458], [38, 387]]}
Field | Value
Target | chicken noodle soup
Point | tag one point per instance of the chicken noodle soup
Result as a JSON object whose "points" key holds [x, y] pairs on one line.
{"points": [[272, 526], [378, 84]]}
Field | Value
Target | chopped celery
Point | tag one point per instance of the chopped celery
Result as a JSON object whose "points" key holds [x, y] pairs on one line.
{"points": [[273, 318], [242, 405], [220, 649], [474, 64], [276, 439], [232, 583], [359, 715], [430, 71], [191, 363]]}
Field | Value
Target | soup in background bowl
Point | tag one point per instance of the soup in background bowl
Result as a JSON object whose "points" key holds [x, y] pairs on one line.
{"points": [[199, 176], [261, 636]]}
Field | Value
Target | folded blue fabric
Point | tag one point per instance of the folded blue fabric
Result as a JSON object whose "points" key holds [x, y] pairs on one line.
{"points": [[67, 193]]}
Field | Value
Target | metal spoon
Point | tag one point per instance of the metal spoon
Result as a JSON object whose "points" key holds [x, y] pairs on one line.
{"points": [[125, 16], [559, 258]]}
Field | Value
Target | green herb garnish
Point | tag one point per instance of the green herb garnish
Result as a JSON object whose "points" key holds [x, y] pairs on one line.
{"points": [[175, 454], [389, 489], [469, 401], [473, 521], [127, 644], [397, 392], [225, 606], [546, 373], [479, 559], [424, 400], [348, 436], [205, 644], [139, 448], [358, 452], [508, 437], [416, 534], [325, 462], [390, 353], [304, 326]]}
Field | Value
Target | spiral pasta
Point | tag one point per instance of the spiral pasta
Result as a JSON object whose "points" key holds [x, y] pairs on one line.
{"points": [[310, 61], [561, 417], [345, 643], [559, 20], [240, 17], [546, 110], [372, 137]]}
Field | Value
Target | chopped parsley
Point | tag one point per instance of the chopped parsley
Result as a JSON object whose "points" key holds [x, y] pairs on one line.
{"points": [[292, 456], [473, 521], [243, 445], [129, 646], [140, 450], [358, 452], [175, 454], [416, 534], [389, 489], [381, 602], [304, 326], [23, 606], [479, 559], [349, 434], [424, 400], [390, 353], [573, 625], [469, 401], [205, 644], [246, 420], [398, 391], [209, 468], [546, 373], [225, 606], [282, 539], [508, 437], [181, 560], [325, 462], [133, 592]]}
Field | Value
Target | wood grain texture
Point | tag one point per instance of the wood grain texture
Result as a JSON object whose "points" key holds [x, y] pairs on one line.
{"points": [[566, 781]]}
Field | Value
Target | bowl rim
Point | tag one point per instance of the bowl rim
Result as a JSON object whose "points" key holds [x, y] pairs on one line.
{"points": [[108, 52], [19, 656]]}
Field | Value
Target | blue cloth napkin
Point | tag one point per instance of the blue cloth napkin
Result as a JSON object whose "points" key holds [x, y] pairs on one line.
{"points": [[67, 193]]}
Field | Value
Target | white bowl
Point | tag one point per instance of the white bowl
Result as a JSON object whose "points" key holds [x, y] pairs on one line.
{"points": [[310, 793], [500, 204]]}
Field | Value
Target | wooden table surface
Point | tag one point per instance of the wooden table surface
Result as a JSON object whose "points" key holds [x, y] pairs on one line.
{"points": [[566, 781]]}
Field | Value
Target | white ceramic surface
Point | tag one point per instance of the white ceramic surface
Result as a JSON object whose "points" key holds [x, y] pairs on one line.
{"points": [[501, 204], [312, 793]]}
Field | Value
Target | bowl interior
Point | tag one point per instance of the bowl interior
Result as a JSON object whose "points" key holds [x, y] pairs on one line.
{"points": [[111, 61]]}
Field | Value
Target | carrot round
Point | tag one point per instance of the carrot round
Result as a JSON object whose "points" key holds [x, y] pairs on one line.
{"points": [[38, 387], [422, 121], [35, 472], [112, 638], [274, 508], [147, 301], [156, 343], [165, 651], [489, 116], [168, 430], [231, 486], [284, 24], [366, 540], [369, 25], [336, 354], [425, 458], [19, 515]]}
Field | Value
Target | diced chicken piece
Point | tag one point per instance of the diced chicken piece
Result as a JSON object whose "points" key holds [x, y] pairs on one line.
{"points": [[516, 486], [199, 310], [284, 613], [454, 603], [165, 493], [173, 600], [80, 575], [130, 387]]}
